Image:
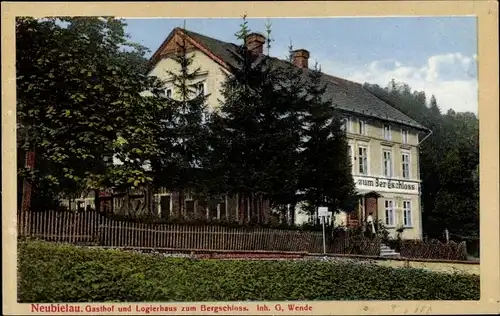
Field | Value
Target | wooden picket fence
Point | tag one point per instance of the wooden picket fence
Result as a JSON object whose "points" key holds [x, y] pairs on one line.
{"points": [[59, 226], [94, 228]]}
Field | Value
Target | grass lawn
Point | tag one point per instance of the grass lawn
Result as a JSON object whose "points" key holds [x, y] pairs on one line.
{"points": [[65, 273]]}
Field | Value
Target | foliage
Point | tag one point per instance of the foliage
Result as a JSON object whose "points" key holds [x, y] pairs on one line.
{"points": [[52, 273], [433, 249], [80, 76], [472, 243], [355, 245]]}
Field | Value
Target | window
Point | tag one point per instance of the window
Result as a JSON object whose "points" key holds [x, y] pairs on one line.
{"points": [[389, 213], [168, 92], [189, 209], [387, 161], [200, 88], [349, 155], [387, 132], [344, 124], [164, 206], [407, 222], [405, 161], [213, 212], [361, 127], [363, 160], [404, 136]]}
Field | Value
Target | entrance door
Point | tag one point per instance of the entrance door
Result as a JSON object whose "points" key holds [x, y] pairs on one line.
{"points": [[371, 205]]}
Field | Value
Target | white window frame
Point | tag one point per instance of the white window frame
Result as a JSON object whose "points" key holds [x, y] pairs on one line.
{"points": [[407, 214], [404, 136], [367, 170], [389, 209], [204, 83], [408, 154], [387, 136], [361, 127], [390, 168], [352, 156], [171, 92], [158, 197]]}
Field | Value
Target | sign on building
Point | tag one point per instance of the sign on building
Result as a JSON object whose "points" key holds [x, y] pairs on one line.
{"points": [[386, 184]]}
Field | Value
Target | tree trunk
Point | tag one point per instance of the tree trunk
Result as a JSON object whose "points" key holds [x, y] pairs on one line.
{"points": [[27, 185], [148, 200], [241, 208], [292, 213], [97, 201], [126, 202]]}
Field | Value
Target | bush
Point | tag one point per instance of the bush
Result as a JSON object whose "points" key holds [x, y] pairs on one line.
{"points": [[63, 273], [433, 249]]}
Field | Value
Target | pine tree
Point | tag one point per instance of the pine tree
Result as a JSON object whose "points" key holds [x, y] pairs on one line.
{"points": [[233, 128], [289, 113], [326, 178], [184, 130], [248, 141]]}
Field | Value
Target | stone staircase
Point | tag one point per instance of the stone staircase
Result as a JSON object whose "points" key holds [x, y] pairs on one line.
{"points": [[387, 252]]}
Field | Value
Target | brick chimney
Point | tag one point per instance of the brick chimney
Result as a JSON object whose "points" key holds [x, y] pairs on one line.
{"points": [[300, 58], [255, 43]]}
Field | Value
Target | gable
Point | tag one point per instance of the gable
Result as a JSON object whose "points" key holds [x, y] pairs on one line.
{"points": [[171, 46]]}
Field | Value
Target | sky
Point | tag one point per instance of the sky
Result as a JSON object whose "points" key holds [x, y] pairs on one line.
{"points": [[432, 54]]}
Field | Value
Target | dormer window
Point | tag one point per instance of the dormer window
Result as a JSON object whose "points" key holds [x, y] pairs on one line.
{"points": [[404, 136], [361, 127], [344, 124], [387, 132]]}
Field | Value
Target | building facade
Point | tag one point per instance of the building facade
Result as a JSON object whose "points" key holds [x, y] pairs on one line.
{"points": [[383, 142], [385, 169], [384, 159]]}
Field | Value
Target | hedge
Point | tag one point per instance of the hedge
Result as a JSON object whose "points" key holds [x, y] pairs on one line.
{"points": [[430, 249], [51, 273]]}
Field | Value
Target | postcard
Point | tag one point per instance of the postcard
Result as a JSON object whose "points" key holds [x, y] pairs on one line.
{"points": [[311, 158]]}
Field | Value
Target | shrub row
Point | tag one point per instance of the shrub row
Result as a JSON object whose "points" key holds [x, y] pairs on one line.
{"points": [[432, 249], [63, 273]]}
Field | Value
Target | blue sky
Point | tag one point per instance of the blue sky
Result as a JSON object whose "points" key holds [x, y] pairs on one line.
{"points": [[434, 54]]}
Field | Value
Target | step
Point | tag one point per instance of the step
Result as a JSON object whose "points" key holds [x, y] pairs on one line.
{"points": [[396, 255], [387, 250], [389, 253], [385, 247]]}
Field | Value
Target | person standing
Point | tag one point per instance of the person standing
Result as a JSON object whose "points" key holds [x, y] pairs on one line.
{"points": [[371, 223]]}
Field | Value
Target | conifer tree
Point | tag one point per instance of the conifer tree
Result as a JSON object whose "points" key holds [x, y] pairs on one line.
{"points": [[184, 130], [290, 108], [247, 129], [326, 178]]}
